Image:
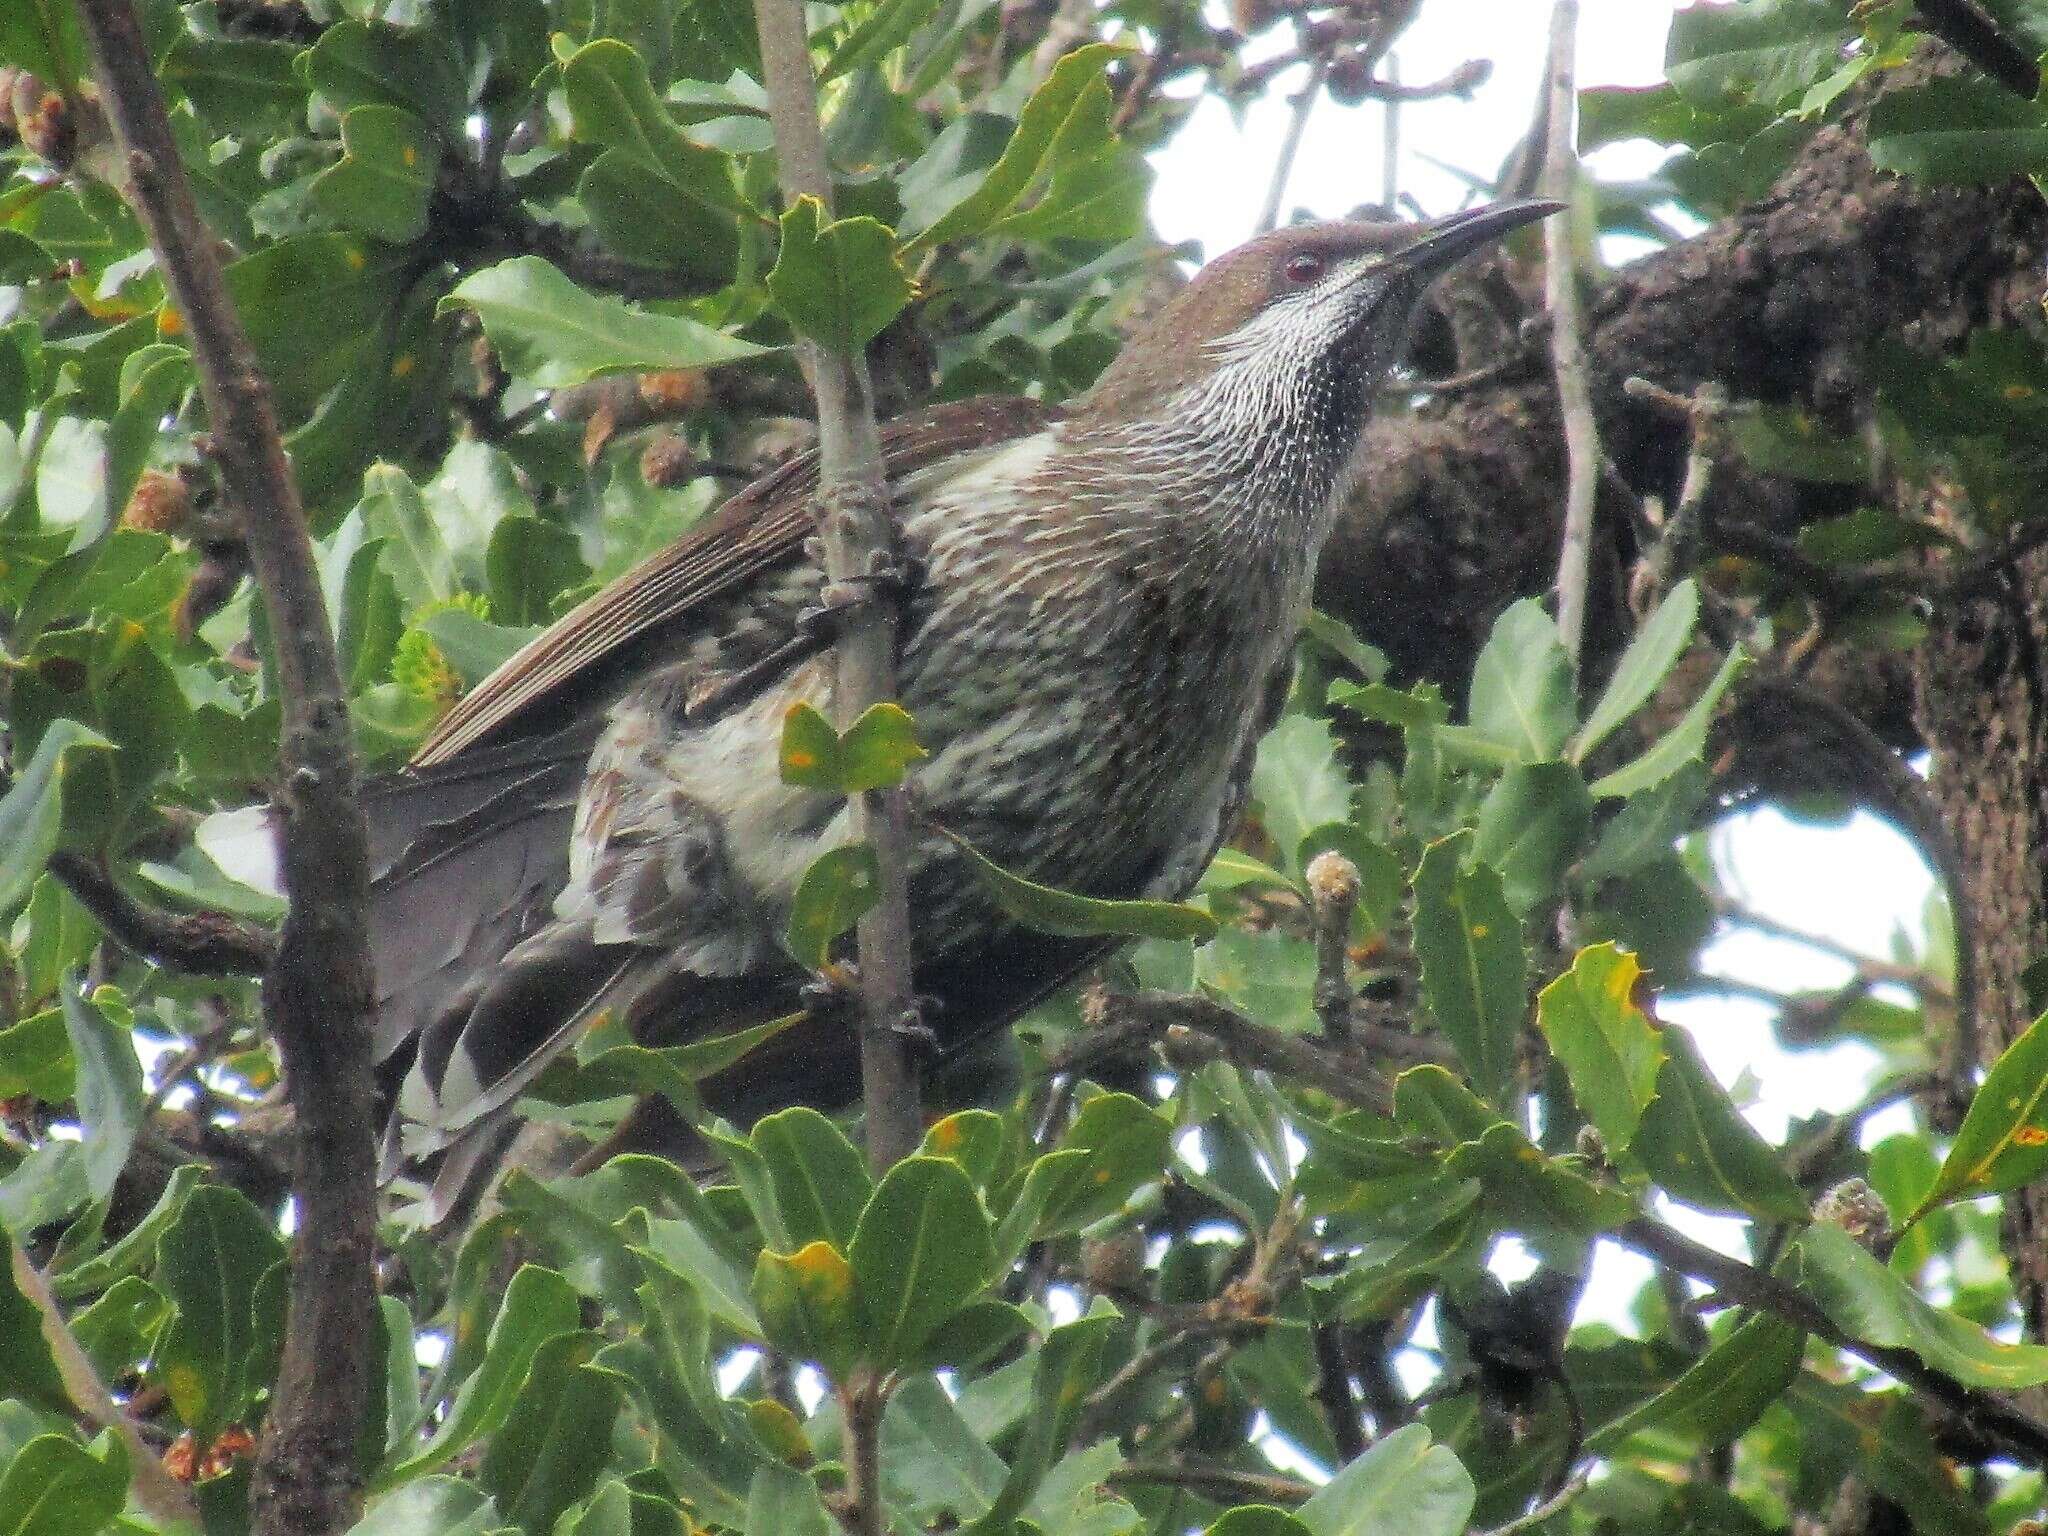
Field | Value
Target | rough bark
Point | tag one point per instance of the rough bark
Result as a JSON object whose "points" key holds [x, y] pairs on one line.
{"points": [[1459, 512]]}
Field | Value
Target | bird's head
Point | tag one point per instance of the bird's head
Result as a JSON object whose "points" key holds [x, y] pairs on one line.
{"points": [[1311, 315]]}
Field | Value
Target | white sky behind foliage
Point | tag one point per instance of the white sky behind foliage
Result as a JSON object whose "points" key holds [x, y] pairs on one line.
{"points": [[1859, 885]]}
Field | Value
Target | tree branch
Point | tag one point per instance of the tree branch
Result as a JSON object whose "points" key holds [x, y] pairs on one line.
{"points": [[2001, 1424], [1567, 345], [197, 943], [859, 544], [317, 994], [1969, 29]]}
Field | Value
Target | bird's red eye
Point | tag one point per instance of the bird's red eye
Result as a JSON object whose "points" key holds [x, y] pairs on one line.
{"points": [[1303, 268]]}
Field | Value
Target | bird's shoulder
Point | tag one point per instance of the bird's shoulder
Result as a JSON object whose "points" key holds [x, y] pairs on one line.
{"points": [[762, 526]]}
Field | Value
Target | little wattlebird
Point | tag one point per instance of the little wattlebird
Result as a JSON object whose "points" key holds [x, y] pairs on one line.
{"points": [[1097, 624]]}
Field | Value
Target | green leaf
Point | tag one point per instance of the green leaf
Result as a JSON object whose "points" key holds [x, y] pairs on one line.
{"points": [[944, 1467], [1761, 52], [240, 85], [1027, 156], [1868, 1302], [973, 1138], [807, 1307], [314, 307], [211, 1262], [2003, 1140], [1643, 666], [1062, 912], [1698, 1147], [28, 1369], [35, 1058], [431, 1506], [557, 1438], [1298, 784], [1964, 131], [371, 63], [878, 749], [539, 1305], [385, 178], [402, 1406], [886, 27], [1407, 708], [32, 810], [1723, 1392], [55, 1487], [1685, 742], [1095, 183], [1473, 968], [1611, 1051], [841, 886], [838, 283], [109, 1085], [921, 1251], [1124, 1144], [1271, 976], [153, 379], [612, 103], [135, 1247], [1785, 440], [549, 331], [42, 37], [1648, 824], [1066, 1367], [785, 1501], [530, 564], [1543, 1198], [1522, 685], [1402, 1486], [809, 754], [1258, 1520], [821, 1181], [1531, 826], [1431, 1103]]}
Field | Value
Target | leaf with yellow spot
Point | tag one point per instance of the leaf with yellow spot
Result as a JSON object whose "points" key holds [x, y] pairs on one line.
{"points": [[806, 1303], [1610, 1050], [2003, 1140]]}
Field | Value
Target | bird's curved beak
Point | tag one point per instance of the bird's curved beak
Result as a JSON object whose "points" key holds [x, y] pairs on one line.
{"points": [[1442, 243]]}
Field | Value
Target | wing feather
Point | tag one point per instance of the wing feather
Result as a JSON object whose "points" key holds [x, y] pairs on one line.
{"points": [[760, 526]]}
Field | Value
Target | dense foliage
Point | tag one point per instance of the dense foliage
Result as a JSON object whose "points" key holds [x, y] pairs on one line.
{"points": [[515, 273]]}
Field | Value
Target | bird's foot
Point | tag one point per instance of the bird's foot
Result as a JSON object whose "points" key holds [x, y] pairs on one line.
{"points": [[834, 992], [889, 578]]}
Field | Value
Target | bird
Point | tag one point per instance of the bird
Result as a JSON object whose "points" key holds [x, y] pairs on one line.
{"points": [[1097, 608]]}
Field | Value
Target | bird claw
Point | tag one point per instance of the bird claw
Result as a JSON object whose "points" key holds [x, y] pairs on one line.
{"points": [[889, 578], [834, 992]]}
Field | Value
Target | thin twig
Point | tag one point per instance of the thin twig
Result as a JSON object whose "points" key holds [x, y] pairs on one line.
{"points": [[1333, 896], [1227, 1484], [1342, 1074], [160, 1494], [857, 531], [1567, 344], [1572, 1487], [317, 996], [1390, 134], [1283, 167], [1333, 1390], [197, 943], [1869, 968]]}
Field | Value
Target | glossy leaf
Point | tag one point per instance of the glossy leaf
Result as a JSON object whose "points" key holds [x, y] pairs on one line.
{"points": [[922, 1250], [807, 1305], [821, 1181], [1063, 912], [1723, 1392], [1698, 1147], [211, 1263], [840, 887], [1522, 685], [876, 751], [1611, 1051], [1685, 742], [837, 282], [539, 1305], [548, 1452], [1473, 966], [548, 330], [613, 103], [1643, 666], [2003, 1140], [1531, 828], [385, 178], [54, 1487], [32, 810], [1404, 1485]]}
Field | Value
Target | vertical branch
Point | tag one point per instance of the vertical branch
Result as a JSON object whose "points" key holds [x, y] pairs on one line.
{"points": [[1283, 168], [1390, 139], [1567, 344], [859, 543], [317, 994]]}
